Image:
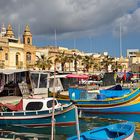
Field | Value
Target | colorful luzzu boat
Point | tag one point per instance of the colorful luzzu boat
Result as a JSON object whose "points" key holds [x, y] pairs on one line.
{"points": [[37, 113], [129, 103], [121, 131]]}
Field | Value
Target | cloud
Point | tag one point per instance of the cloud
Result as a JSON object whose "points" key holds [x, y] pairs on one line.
{"points": [[69, 17], [129, 23]]}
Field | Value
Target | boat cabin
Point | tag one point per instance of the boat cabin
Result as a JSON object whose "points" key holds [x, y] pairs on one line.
{"points": [[44, 82], [40, 104], [40, 82]]}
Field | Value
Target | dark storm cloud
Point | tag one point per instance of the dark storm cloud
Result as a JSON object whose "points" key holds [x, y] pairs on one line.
{"points": [[68, 17]]}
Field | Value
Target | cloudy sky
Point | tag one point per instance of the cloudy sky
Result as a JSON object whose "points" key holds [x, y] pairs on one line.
{"points": [[87, 25]]}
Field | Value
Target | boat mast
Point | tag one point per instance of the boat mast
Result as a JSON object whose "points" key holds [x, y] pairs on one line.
{"points": [[53, 118]]}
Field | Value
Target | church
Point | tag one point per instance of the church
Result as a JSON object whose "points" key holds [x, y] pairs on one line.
{"points": [[15, 54]]}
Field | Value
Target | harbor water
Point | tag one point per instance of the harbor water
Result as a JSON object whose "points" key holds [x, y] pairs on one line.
{"points": [[61, 133]]}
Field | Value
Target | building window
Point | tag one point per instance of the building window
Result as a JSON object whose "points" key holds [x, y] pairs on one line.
{"points": [[28, 40], [17, 58], [6, 56], [1, 49], [28, 56]]}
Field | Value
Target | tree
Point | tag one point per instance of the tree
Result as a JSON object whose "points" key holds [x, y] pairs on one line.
{"points": [[61, 58], [106, 61], [70, 60], [116, 66], [43, 62], [96, 66], [87, 61], [76, 58]]}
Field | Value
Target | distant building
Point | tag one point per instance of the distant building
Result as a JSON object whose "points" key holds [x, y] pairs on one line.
{"points": [[134, 59], [132, 52]]}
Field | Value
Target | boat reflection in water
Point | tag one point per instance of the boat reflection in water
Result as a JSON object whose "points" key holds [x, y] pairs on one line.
{"points": [[125, 116], [22, 133], [86, 123]]}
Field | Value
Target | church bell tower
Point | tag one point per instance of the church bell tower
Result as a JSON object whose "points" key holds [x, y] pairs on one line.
{"points": [[27, 36], [9, 31]]}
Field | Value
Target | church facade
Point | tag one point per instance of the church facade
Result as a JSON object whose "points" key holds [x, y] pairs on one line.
{"points": [[15, 54]]}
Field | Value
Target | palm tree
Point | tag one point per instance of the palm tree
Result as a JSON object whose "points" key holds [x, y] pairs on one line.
{"points": [[70, 60], [76, 58], [96, 66], [87, 61], [116, 66], [106, 61], [49, 62], [43, 62], [61, 58]]}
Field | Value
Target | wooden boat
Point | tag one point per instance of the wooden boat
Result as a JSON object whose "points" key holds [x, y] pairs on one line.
{"points": [[129, 103], [121, 131], [113, 92], [37, 113], [101, 94]]}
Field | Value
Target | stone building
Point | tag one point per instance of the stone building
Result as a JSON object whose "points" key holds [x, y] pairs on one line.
{"points": [[53, 52], [13, 53], [134, 63]]}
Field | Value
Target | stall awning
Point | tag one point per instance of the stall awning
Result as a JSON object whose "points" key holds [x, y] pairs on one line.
{"points": [[77, 76], [11, 71]]}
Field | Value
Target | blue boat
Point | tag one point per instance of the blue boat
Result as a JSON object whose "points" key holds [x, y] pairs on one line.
{"points": [[81, 93], [113, 92], [121, 131], [127, 104], [37, 113]]}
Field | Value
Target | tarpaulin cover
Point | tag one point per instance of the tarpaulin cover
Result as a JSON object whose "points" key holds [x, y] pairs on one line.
{"points": [[13, 107]]}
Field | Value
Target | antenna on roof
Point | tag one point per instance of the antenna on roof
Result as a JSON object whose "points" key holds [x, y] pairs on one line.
{"points": [[19, 33], [55, 38], [121, 40], [74, 43], [91, 45]]}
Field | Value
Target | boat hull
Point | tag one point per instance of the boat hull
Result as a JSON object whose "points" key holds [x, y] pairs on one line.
{"points": [[124, 105], [121, 131], [118, 109], [63, 117]]}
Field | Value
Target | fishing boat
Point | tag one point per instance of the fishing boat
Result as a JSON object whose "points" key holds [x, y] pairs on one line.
{"points": [[81, 93], [37, 112], [121, 131], [88, 103], [113, 92], [127, 104]]}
